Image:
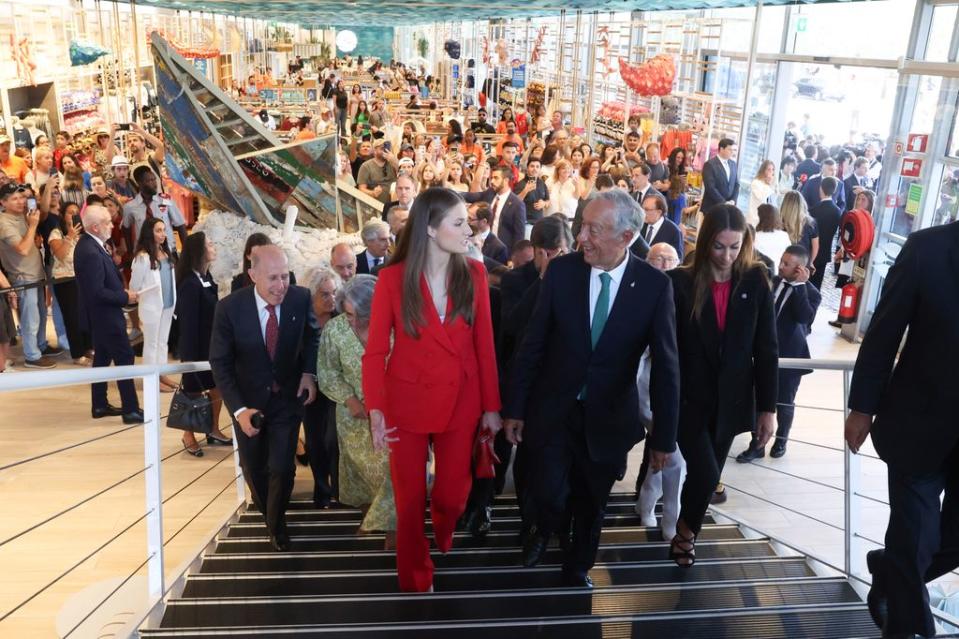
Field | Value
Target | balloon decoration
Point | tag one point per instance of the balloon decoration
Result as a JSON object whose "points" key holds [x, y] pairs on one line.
{"points": [[195, 51], [81, 54], [653, 77], [23, 56]]}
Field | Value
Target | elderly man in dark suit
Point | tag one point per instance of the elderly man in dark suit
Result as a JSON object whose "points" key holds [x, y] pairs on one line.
{"points": [[263, 356], [720, 177], [102, 298], [376, 237], [659, 228], [573, 397], [509, 212], [909, 407]]}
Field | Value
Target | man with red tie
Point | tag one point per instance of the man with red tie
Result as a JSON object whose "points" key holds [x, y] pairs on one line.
{"points": [[263, 356]]}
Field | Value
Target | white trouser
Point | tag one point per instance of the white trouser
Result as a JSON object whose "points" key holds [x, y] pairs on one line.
{"points": [[156, 332], [666, 483]]}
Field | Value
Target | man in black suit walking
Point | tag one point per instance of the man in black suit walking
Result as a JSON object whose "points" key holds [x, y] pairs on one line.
{"points": [[102, 298], [659, 228], [721, 177], [910, 410], [263, 356], [509, 212], [481, 223], [827, 215], [573, 396], [796, 303]]}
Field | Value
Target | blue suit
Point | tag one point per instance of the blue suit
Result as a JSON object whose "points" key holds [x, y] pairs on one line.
{"points": [[670, 234], [102, 298], [810, 191]]}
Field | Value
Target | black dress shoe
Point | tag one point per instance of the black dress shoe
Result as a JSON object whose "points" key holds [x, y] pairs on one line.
{"points": [[481, 521], [213, 440], [321, 504], [280, 542], [835, 323], [876, 599], [534, 549], [576, 580], [778, 449], [133, 417], [751, 453], [719, 495], [109, 411]]}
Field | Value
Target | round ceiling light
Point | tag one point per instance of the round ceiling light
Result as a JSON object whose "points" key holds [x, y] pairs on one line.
{"points": [[345, 41]]}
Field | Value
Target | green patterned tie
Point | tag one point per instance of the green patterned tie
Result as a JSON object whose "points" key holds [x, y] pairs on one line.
{"points": [[601, 312]]}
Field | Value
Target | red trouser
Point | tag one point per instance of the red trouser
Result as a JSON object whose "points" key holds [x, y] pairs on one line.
{"points": [[451, 486]]}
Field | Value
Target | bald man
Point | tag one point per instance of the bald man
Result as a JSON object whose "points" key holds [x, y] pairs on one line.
{"points": [[265, 389], [103, 296], [343, 261]]}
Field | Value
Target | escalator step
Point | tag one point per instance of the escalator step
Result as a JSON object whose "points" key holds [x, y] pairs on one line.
{"points": [[358, 583], [305, 543], [821, 622], [441, 607], [468, 558]]}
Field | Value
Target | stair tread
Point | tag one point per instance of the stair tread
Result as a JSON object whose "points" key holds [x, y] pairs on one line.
{"points": [[519, 604]]}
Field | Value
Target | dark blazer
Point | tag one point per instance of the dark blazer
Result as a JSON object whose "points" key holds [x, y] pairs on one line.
{"points": [[556, 360], [519, 289], [805, 170], [512, 225], [102, 293], [195, 306], [795, 318], [827, 215], [363, 265], [726, 377], [639, 247], [716, 187], [241, 280], [670, 234], [494, 249], [914, 400], [241, 366], [811, 193]]}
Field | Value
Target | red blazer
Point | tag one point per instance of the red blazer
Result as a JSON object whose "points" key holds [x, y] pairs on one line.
{"points": [[441, 381]]}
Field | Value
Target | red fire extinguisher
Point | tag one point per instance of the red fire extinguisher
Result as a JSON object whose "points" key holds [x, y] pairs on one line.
{"points": [[849, 303]]}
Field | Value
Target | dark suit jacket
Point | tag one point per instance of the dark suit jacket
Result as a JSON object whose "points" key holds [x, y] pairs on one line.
{"points": [[518, 291], [241, 366], [195, 306], [494, 249], [363, 265], [805, 170], [670, 234], [827, 215], [556, 360], [726, 377], [914, 400], [811, 193], [639, 248], [716, 188], [795, 318], [512, 225], [102, 293]]}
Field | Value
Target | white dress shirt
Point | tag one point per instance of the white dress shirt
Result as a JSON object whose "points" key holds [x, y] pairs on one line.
{"points": [[595, 286], [789, 286], [725, 164], [651, 232], [499, 201]]}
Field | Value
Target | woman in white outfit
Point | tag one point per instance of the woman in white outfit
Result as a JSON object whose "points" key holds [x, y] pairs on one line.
{"points": [[152, 276], [762, 190], [563, 190]]}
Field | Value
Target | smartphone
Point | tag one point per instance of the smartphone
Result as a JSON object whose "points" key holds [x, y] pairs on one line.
{"points": [[53, 171], [388, 146], [124, 127], [31, 204]]}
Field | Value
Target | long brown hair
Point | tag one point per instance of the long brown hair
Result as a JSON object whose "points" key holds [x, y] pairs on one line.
{"points": [[721, 217], [429, 209]]}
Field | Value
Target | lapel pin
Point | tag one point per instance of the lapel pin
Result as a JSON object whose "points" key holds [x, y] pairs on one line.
{"points": [[632, 284], [744, 296]]}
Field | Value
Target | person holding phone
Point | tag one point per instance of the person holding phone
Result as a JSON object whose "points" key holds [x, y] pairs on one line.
{"points": [[263, 354], [63, 240]]}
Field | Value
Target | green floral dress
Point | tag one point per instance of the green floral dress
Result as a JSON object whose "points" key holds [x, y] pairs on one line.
{"points": [[364, 472]]}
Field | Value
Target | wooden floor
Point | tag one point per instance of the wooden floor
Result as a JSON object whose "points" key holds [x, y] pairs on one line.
{"points": [[37, 422]]}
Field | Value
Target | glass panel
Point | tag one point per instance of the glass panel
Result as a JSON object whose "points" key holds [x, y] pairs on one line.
{"points": [[754, 148], [771, 29], [952, 149], [947, 204], [879, 30], [943, 23]]}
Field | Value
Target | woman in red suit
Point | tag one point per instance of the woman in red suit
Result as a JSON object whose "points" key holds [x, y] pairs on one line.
{"points": [[429, 374]]}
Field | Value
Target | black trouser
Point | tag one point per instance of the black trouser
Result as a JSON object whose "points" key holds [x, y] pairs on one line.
{"points": [[484, 490], [564, 473], [705, 457], [268, 460], [786, 403], [643, 469], [319, 425], [816, 278], [68, 297], [113, 349], [922, 543]]}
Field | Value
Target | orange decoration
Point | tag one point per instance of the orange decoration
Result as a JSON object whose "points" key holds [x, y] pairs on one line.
{"points": [[653, 77]]}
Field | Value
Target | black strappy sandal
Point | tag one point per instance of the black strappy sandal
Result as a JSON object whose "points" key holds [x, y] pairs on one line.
{"points": [[678, 554]]}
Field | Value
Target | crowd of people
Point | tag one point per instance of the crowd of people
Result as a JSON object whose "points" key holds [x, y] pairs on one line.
{"points": [[522, 287]]}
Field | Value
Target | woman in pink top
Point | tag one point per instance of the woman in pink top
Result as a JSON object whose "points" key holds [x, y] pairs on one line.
{"points": [[726, 334]]}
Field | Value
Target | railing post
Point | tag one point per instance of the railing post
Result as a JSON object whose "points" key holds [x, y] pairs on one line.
{"points": [[154, 485], [852, 548]]}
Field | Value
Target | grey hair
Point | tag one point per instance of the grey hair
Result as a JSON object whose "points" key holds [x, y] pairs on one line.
{"points": [[628, 214], [322, 275], [372, 228], [358, 292]]}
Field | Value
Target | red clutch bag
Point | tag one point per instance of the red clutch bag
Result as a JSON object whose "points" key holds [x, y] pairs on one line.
{"points": [[484, 458]]}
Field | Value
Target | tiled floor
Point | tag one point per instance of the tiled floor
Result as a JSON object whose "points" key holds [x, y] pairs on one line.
{"points": [[37, 422]]}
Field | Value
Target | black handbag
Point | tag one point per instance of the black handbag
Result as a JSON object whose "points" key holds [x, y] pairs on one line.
{"points": [[191, 413]]}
